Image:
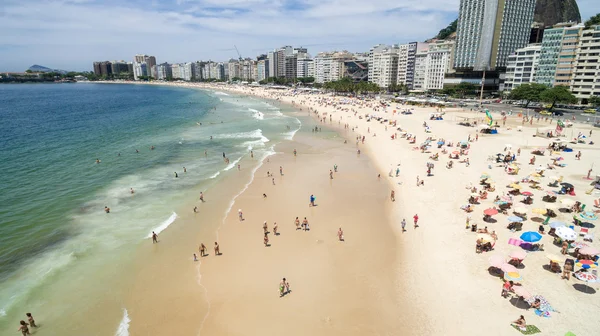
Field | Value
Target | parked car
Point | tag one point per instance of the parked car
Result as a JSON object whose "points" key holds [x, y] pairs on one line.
{"points": [[590, 111]]}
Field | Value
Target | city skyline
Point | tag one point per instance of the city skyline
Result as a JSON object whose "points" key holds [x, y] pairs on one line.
{"points": [[70, 34]]}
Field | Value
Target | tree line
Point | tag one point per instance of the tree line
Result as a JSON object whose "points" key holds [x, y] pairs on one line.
{"points": [[534, 92]]}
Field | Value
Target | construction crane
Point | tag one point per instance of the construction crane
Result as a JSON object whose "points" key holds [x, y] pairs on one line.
{"points": [[238, 52]]}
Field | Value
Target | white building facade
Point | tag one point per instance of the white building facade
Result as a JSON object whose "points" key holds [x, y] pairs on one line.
{"points": [[439, 62], [383, 65], [521, 67]]}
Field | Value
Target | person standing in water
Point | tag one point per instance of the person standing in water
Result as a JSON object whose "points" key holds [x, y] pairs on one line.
{"points": [[132, 192], [223, 155], [205, 154], [31, 320], [176, 176], [23, 328], [252, 154], [184, 170], [195, 209], [106, 209], [154, 238]]}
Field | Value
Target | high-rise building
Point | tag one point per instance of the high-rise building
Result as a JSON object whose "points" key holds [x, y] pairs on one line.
{"points": [[163, 71], [407, 56], [118, 67], [187, 71], [329, 66], [272, 58], [262, 69], [383, 65], [234, 69], [176, 71], [557, 56], [198, 70], [420, 70], [302, 66], [150, 63], [291, 67], [586, 78], [439, 62], [140, 58], [490, 30], [521, 67], [356, 70]]}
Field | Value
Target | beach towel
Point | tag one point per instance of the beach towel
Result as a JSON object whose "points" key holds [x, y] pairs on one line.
{"points": [[529, 330]]}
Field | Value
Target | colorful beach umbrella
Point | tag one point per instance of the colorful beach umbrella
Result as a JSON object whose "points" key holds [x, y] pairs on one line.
{"points": [[508, 268], [589, 250], [522, 292], [589, 216], [515, 242], [585, 276], [531, 237], [565, 233], [527, 193], [513, 276], [520, 210], [557, 224], [515, 186], [539, 211], [490, 212], [518, 254], [567, 201], [587, 264], [514, 219], [497, 261]]}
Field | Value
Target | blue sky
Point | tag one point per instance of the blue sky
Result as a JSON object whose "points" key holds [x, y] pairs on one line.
{"points": [[71, 34]]}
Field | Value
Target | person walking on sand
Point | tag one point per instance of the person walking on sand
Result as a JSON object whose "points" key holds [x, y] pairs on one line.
{"points": [[305, 224], [273, 180], [266, 240], [403, 225], [195, 258], [340, 234], [31, 320], [393, 196], [265, 227], [240, 215], [335, 168], [275, 228], [154, 237], [418, 181], [416, 219], [312, 200], [195, 209], [217, 249], [201, 197], [281, 170], [295, 153], [284, 287], [202, 250], [297, 222], [330, 175], [23, 328]]}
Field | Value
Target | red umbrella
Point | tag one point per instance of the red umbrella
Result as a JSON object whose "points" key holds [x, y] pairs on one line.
{"points": [[490, 212], [527, 193]]}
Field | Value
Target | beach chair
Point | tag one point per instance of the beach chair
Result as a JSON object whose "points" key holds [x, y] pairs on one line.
{"points": [[583, 231]]}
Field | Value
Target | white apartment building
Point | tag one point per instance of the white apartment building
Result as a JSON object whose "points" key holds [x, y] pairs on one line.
{"points": [[163, 71], [187, 71], [310, 69], [490, 30], [586, 77], [176, 71], [402, 64], [139, 69], [383, 65], [420, 73], [302, 67], [439, 62], [521, 66], [262, 70], [329, 66]]}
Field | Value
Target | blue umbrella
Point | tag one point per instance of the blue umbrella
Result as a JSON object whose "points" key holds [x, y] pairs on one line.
{"points": [[588, 216], [531, 237], [557, 224], [514, 219], [440, 142]]}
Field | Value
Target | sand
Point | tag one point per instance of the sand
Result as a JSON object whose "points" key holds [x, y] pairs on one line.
{"points": [[381, 281]]}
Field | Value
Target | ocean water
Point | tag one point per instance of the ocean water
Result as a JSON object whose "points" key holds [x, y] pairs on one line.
{"points": [[55, 237]]}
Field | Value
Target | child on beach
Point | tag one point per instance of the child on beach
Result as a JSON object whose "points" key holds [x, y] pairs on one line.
{"points": [[297, 222], [31, 320], [154, 237], [403, 225], [240, 215], [416, 219], [23, 328], [265, 227], [284, 287]]}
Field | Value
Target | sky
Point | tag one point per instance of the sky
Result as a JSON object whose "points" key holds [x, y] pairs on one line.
{"points": [[72, 34]]}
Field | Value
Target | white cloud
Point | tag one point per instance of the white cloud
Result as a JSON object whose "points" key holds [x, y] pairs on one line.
{"points": [[71, 34]]}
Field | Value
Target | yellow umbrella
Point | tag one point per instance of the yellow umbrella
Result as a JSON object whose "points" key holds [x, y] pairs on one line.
{"points": [[515, 186], [540, 211], [554, 258], [536, 175], [534, 180]]}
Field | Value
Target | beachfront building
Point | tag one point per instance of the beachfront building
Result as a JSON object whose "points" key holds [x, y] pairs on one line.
{"points": [[550, 48], [291, 67], [102, 68], [176, 71], [489, 31], [417, 67], [356, 70], [233, 69], [303, 65], [187, 71], [199, 70], [438, 63], [329, 66], [383, 65], [118, 67], [586, 76], [521, 67], [402, 64], [214, 71], [163, 71], [262, 69], [139, 70]]}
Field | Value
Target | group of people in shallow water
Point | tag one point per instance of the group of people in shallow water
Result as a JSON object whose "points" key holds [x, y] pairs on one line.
{"points": [[24, 326]]}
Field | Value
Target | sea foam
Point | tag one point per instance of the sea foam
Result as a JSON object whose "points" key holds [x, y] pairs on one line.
{"points": [[164, 225], [123, 329]]}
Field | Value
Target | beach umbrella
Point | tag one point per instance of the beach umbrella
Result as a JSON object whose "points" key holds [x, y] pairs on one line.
{"points": [[589, 250], [579, 245], [586, 264], [497, 261], [506, 198], [557, 224], [588, 216], [527, 193], [490, 212], [456, 152], [515, 186], [515, 242], [566, 185], [508, 268], [522, 292], [520, 210], [518, 254], [585, 276], [539, 211], [535, 179], [485, 237], [567, 201], [530, 237], [566, 233], [513, 276], [554, 258], [514, 219]]}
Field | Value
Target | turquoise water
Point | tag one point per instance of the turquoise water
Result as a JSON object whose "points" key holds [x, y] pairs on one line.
{"points": [[52, 219]]}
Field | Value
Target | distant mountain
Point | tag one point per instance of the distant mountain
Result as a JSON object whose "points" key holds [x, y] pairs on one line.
{"points": [[39, 68], [551, 12]]}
